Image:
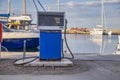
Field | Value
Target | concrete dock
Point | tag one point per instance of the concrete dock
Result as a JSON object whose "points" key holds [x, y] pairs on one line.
{"points": [[86, 67]]}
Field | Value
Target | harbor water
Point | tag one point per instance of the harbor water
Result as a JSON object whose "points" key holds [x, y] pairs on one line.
{"points": [[88, 44]]}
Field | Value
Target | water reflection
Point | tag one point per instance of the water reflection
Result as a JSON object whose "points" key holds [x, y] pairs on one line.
{"points": [[92, 44], [109, 39], [117, 51], [98, 39], [77, 36]]}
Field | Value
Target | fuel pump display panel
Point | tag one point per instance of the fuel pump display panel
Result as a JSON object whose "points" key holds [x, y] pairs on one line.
{"points": [[51, 20]]}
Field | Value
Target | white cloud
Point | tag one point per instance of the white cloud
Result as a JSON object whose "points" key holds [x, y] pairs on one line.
{"points": [[89, 3], [74, 3], [82, 16], [112, 1], [71, 3]]}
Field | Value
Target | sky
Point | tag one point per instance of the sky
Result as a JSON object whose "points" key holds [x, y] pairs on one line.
{"points": [[79, 13]]}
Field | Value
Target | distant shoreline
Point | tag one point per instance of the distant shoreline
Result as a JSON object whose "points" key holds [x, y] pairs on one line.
{"points": [[86, 31]]}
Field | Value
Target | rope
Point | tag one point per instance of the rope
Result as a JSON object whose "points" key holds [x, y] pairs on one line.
{"points": [[35, 5], [41, 5]]}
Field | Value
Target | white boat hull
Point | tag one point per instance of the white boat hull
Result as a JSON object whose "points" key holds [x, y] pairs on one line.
{"points": [[8, 35], [14, 39], [97, 31]]}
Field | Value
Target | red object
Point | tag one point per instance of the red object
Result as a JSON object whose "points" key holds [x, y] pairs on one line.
{"points": [[0, 32]]}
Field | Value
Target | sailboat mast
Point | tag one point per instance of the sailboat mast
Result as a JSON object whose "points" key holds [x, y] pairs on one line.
{"points": [[9, 7], [102, 13], [24, 7]]}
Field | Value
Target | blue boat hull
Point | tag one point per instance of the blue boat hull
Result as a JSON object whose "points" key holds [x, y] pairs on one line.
{"points": [[19, 43]]}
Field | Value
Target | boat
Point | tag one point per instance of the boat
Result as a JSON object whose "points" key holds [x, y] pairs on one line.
{"points": [[14, 39], [109, 33], [4, 18], [97, 31], [19, 22], [100, 29]]}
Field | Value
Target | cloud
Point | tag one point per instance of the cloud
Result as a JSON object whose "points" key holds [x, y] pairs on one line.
{"points": [[89, 3], [87, 13], [112, 1], [71, 3]]}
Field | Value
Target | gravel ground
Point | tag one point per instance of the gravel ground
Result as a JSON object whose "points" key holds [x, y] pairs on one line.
{"points": [[7, 68]]}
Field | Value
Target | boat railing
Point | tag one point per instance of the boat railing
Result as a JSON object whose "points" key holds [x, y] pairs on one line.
{"points": [[4, 15]]}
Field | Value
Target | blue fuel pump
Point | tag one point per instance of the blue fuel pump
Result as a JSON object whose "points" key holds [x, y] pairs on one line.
{"points": [[50, 45], [50, 25]]}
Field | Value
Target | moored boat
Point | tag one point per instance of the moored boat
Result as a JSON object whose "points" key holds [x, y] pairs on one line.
{"points": [[14, 39], [97, 31]]}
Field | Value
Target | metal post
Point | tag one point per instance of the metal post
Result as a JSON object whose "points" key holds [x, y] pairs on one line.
{"points": [[24, 50]]}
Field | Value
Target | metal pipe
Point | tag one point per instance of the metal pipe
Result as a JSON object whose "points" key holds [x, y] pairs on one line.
{"points": [[24, 50]]}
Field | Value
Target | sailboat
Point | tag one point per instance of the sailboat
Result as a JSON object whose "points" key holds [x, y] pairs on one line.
{"points": [[97, 31], [21, 21], [100, 29], [14, 39]]}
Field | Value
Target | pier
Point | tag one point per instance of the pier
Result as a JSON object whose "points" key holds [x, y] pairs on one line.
{"points": [[86, 67]]}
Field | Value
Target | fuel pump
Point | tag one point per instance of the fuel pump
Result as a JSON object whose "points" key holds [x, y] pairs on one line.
{"points": [[50, 25]]}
